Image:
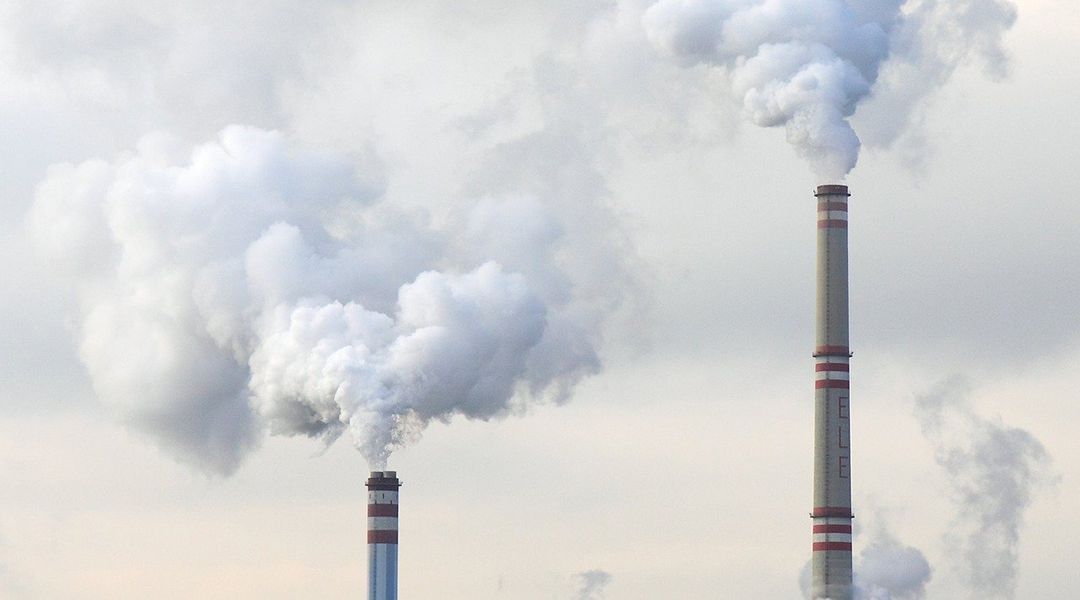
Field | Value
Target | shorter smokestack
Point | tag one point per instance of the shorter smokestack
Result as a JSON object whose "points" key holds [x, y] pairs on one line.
{"points": [[382, 535]]}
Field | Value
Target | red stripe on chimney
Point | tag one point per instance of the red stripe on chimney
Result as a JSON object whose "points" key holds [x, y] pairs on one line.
{"points": [[829, 528], [827, 206], [832, 367], [382, 510], [384, 536], [837, 223], [823, 546]]}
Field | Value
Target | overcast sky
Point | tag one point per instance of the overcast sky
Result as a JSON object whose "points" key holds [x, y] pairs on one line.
{"points": [[662, 432]]}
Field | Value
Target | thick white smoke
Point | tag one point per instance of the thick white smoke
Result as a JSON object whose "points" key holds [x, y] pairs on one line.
{"points": [[993, 472], [807, 64], [250, 284]]}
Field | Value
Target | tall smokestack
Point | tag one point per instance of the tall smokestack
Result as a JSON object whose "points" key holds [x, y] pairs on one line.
{"points": [[832, 433], [382, 535]]}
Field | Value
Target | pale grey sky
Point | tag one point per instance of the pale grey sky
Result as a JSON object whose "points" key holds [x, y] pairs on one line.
{"points": [[682, 468]]}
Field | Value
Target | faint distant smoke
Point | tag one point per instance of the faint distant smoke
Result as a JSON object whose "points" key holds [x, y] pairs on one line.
{"points": [[993, 471], [9, 583], [807, 64], [592, 584], [251, 284]]}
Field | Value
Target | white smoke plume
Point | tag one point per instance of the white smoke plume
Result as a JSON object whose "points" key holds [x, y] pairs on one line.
{"points": [[885, 569], [888, 570], [993, 471], [252, 285], [807, 64], [593, 583]]}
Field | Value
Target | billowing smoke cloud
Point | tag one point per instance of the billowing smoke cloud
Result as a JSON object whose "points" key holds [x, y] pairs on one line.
{"points": [[592, 583], [993, 471], [807, 64], [932, 39], [254, 285]]}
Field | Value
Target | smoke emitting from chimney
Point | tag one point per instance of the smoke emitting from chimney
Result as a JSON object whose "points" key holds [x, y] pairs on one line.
{"points": [[260, 285], [807, 65]]}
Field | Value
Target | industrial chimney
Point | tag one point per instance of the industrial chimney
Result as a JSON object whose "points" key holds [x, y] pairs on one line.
{"points": [[832, 434], [382, 535]]}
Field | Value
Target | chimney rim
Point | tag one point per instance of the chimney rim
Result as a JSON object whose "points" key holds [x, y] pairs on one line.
{"points": [[831, 190]]}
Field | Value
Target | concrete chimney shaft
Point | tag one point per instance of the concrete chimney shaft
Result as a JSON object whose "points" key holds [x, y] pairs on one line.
{"points": [[382, 535], [832, 514]]}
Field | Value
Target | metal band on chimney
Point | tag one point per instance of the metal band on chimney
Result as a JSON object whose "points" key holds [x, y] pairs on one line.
{"points": [[831, 190]]}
